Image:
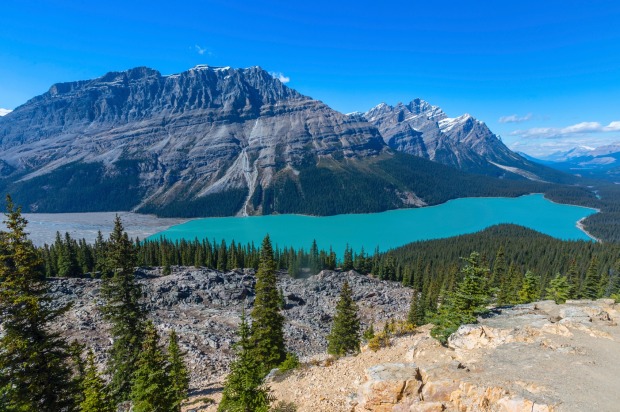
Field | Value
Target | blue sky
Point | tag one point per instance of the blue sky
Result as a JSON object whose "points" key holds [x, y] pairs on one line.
{"points": [[542, 74]]}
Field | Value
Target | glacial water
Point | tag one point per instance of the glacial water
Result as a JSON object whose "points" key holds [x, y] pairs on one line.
{"points": [[393, 228]]}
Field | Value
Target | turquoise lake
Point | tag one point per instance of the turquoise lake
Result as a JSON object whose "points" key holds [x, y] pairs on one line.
{"points": [[393, 228]]}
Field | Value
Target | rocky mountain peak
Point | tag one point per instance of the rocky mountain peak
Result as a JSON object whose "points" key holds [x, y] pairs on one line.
{"points": [[425, 130], [187, 135]]}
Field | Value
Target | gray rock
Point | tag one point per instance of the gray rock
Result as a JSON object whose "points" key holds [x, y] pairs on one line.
{"points": [[204, 307]]}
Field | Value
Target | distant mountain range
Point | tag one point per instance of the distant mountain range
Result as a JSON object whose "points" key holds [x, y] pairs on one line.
{"points": [[600, 163], [223, 141]]}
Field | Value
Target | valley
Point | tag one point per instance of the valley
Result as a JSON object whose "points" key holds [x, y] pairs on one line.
{"points": [[269, 237]]}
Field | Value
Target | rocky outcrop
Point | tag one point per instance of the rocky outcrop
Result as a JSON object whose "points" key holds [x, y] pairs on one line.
{"points": [[184, 136], [204, 306], [219, 141], [424, 130], [535, 357]]}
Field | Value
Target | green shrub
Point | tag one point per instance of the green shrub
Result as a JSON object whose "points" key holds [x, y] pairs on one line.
{"points": [[291, 362], [283, 406]]}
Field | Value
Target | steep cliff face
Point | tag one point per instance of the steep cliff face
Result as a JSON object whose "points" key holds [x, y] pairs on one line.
{"points": [[208, 130], [424, 130], [218, 141]]}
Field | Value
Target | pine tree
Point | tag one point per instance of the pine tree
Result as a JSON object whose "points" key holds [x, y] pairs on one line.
{"points": [[35, 367], [530, 290], [447, 320], [121, 294], [592, 282], [244, 390], [416, 315], [344, 336], [179, 377], [468, 300], [573, 279], [347, 262], [369, 333], [151, 387], [472, 292], [267, 336], [94, 395], [559, 289], [67, 258], [499, 268]]}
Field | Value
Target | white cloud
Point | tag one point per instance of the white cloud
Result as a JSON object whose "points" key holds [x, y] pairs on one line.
{"points": [[281, 77], [202, 50], [561, 132], [513, 118], [4, 112], [543, 148]]}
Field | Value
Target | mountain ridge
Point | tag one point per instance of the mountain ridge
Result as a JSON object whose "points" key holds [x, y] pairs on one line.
{"points": [[464, 142], [216, 141]]}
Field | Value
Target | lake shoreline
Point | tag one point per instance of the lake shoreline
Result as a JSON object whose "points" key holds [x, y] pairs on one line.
{"points": [[44, 226], [393, 228]]}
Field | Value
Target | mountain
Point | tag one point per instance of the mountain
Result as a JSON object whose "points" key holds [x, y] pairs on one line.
{"points": [[216, 141], [180, 137], [424, 130], [600, 162]]}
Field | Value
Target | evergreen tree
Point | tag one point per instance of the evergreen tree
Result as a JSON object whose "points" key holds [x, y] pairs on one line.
{"points": [[121, 294], [499, 268], [35, 367], [151, 387], [344, 336], [530, 290], [447, 321], [347, 262], [267, 336], [559, 289], [244, 390], [369, 333], [592, 282], [179, 377], [67, 257], [472, 292], [94, 395], [76, 351], [468, 300], [515, 284], [416, 315], [573, 279]]}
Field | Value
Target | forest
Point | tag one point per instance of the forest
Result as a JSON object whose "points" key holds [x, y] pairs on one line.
{"points": [[432, 264], [454, 281]]}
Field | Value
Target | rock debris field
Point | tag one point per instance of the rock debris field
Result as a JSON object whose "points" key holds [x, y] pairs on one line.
{"points": [[204, 307], [538, 357]]}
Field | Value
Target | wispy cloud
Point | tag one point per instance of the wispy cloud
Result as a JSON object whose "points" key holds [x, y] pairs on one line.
{"points": [[4, 112], [543, 148], [572, 130], [202, 50], [281, 77], [513, 118]]}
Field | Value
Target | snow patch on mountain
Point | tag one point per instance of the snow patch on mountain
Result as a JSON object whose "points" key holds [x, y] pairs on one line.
{"points": [[520, 172]]}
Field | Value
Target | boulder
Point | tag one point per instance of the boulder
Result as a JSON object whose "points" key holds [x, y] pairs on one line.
{"points": [[387, 384]]}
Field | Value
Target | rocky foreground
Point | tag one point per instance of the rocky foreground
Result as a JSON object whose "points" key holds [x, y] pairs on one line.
{"points": [[204, 307], [539, 357]]}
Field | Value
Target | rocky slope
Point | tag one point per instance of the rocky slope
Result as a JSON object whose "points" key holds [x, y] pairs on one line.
{"points": [[536, 357], [185, 136], [464, 142], [204, 307], [218, 141]]}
